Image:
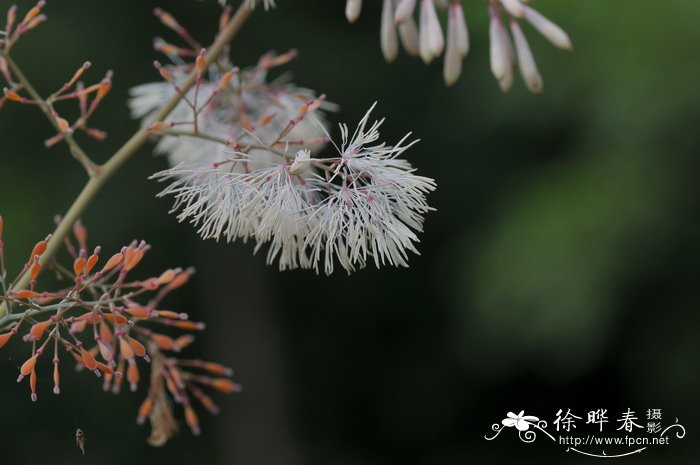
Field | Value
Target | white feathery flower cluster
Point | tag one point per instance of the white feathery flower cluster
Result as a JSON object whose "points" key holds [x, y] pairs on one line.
{"points": [[363, 205], [249, 109], [426, 39]]}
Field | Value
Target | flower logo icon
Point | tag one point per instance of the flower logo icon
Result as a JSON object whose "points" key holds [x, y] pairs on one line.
{"points": [[520, 421]]}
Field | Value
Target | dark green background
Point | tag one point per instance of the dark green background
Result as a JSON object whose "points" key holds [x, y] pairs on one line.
{"points": [[560, 269]]}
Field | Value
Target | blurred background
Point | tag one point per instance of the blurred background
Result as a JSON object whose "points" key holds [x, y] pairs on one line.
{"points": [[559, 271]]}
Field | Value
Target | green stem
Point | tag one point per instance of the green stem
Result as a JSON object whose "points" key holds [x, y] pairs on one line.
{"points": [[121, 156]]}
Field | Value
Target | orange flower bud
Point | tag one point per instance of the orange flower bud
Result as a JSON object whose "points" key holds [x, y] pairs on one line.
{"points": [[284, 58], [104, 368], [201, 62], [103, 90], [105, 334], [35, 268], [225, 17], [225, 385], [136, 346], [2, 224], [145, 410], [162, 341], [177, 378], [34, 11], [183, 341], [62, 124], [12, 95], [180, 279], [172, 315], [132, 374], [125, 348], [38, 249], [167, 19], [132, 257], [157, 127], [217, 369], [4, 338], [226, 79], [78, 326], [35, 22], [115, 319], [192, 420], [164, 73], [78, 266], [80, 233], [27, 367], [38, 329], [91, 262], [95, 133], [165, 277], [56, 378], [265, 120], [26, 294], [78, 74], [189, 325], [138, 312], [206, 401], [114, 260], [88, 359]]}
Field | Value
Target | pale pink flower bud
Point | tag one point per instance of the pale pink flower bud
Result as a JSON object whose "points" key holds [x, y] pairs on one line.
{"points": [[404, 11], [408, 33], [388, 37], [460, 26], [453, 56], [526, 62], [548, 29], [501, 52], [352, 10], [514, 7], [431, 40]]}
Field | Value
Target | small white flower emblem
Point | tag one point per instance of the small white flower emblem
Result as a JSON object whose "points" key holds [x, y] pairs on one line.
{"points": [[520, 421]]}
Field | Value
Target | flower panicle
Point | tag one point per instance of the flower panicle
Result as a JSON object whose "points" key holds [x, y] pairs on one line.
{"points": [[112, 325]]}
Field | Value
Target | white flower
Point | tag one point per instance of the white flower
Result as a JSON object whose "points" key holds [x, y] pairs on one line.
{"points": [[377, 207], [235, 115], [365, 204]]}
